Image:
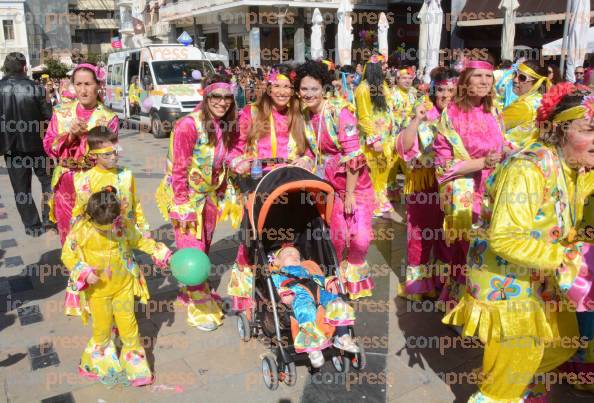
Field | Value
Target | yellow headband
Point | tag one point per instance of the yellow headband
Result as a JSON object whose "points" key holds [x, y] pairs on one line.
{"points": [[103, 150], [577, 112], [586, 109], [539, 79], [280, 77]]}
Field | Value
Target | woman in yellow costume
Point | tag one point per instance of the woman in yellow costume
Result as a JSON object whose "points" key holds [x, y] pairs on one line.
{"points": [[376, 122], [530, 82], [524, 263], [98, 254]]}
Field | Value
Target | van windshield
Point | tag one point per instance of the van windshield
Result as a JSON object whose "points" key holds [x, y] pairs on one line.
{"points": [[179, 71]]}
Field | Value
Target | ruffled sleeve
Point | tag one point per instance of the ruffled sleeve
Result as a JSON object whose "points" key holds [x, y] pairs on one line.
{"points": [[184, 139], [512, 222], [159, 252], [57, 144], [348, 136]]}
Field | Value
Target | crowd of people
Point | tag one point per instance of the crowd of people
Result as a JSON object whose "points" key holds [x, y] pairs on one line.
{"points": [[497, 167]]}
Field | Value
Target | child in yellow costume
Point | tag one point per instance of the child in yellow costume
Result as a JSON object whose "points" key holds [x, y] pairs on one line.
{"points": [[377, 129], [103, 151], [98, 254]]}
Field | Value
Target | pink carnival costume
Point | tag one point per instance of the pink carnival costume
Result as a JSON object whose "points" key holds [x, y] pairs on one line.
{"points": [[425, 251], [276, 143], [334, 138], [463, 136], [190, 191], [70, 155]]}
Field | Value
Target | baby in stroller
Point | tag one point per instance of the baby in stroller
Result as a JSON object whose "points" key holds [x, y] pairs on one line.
{"points": [[305, 292]]}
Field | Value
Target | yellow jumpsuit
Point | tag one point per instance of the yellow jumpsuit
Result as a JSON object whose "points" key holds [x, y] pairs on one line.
{"points": [[107, 251]]}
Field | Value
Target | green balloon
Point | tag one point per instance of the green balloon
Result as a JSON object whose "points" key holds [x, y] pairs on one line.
{"points": [[190, 266]]}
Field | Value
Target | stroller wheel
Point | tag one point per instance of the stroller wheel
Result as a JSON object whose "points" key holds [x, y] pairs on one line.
{"points": [[270, 372], [243, 327], [359, 360], [341, 363], [290, 374]]}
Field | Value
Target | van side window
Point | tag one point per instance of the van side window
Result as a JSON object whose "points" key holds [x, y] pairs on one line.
{"points": [[117, 71], [109, 74], [145, 78]]}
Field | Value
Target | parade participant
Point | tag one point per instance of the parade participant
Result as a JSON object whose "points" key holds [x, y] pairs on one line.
{"points": [[403, 96], [529, 83], [469, 144], [504, 85], [403, 100], [347, 74], [270, 128], [523, 264], [103, 151], [304, 292], [66, 140], [195, 177], [377, 126], [134, 95], [332, 134], [415, 146], [98, 254]]}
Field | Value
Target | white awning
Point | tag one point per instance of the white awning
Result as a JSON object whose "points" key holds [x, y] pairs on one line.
{"points": [[95, 5], [554, 48]]}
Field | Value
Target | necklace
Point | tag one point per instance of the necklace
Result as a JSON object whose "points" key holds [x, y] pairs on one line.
{"points": [[572, 211]]}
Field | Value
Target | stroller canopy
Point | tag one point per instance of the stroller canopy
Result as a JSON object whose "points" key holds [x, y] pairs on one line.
{"points": [[286, 200]]}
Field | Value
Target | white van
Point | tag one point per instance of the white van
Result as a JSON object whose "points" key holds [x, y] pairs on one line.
{"points": [[168, 87]]}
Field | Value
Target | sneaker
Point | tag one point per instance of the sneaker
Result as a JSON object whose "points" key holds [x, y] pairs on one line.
{"points": [[316, 358], [346, 343], [207, 327]]}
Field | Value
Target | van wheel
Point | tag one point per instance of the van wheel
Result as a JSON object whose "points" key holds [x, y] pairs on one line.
{"points": [[157, 128]]}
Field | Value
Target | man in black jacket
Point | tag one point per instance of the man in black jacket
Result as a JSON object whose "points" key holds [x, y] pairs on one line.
{"points": [[24, 112]]}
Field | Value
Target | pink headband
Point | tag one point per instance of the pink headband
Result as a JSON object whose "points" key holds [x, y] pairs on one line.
{"points": [[99, 72], [215, 86], [452, 81], [478, 64]]}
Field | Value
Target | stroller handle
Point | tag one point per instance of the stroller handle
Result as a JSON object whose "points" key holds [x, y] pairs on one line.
{"points": [[247, 184]]}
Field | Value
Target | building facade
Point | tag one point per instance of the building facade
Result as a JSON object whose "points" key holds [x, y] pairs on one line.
{"points": [[13, 29]]}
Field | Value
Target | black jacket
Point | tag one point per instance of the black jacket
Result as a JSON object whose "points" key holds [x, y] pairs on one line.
{"points": [[24, 113]]}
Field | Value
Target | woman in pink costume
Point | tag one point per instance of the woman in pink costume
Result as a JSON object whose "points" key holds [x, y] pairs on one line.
{"points": [[272, 127], [426, 251], [332, 134], [195, 181], [469, 144], [66, 141]]}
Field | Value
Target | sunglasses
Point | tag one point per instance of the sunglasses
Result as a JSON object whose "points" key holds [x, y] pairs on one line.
{"points": [[218, 98], [522, 78]]}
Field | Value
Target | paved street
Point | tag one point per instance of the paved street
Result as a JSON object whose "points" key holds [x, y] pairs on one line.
{"points": [[193, 366]]}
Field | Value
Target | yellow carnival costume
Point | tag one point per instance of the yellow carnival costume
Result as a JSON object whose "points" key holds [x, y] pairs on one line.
{"points": [[519, 270], [106, 251], [377, 126]]}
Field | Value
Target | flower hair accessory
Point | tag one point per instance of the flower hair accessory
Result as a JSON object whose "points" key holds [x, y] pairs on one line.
{"points": [[408, 70], [97, 71], [551, 99], [376, 59], [276, 75]]}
